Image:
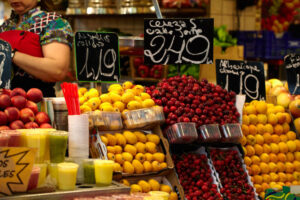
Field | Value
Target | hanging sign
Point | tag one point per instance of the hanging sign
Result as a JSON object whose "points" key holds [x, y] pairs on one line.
{"points": [[178, 41], [97, 57], [292, 67], [5, 64], [242, 77], [15, 169]]}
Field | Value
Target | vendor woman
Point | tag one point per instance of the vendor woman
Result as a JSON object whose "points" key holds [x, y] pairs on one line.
{"points": [[41, 45]]}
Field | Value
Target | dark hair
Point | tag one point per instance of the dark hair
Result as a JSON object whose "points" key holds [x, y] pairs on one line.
{"points": [[46, 5]]}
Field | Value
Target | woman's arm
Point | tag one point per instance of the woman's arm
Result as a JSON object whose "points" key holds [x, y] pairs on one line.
{"points": [[52, 67]]}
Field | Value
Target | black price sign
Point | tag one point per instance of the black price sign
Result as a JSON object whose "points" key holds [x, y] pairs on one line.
{"points": [[178, 41], [97, 57], [242, 77], [5, 64], [292, 66]]}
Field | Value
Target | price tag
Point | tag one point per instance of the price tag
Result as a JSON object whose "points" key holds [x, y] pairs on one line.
{"points": [[242, 77], [97, 57], [15, 169], [5, 64], [178, 41], [292, 67]]}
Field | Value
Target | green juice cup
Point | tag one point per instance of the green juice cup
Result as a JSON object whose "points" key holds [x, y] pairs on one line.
{"points": [[58, 141], [89, 171]]}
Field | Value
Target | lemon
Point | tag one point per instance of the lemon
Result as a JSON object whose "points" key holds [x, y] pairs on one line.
{"points": [[82, 91], [151, 147], [130, 137], [118, 149], [155, 166], [140, 147], [120, 105], [149, 157], [159, 157], [104, 104], [130, 91], [165, 188], [138, 99], [134, 188], [105, 98], [82, 100], [127, 85], [110, 149], [140, 157], [145, 186], [128, 167], [138, 166], [85, 108], [141, 137], [125, 182], [145, 96], [138, 89], [134, 105], [130, 149], [153, 138], [114, 87], [92, 93], [94, 103], [119, 159], [118, 91], [154, 184], [114, 97], [127, 156], [147, 166], [147, 103], [121, 140], [104, 139], [163, 165], [127, 97], [117, 167], [111, 156], [112, 140], [107, 108]]}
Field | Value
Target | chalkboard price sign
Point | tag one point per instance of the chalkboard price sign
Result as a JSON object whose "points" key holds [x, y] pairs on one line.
{"points": [[292, 66], [97, 57], [242, 77], [178, 41]]}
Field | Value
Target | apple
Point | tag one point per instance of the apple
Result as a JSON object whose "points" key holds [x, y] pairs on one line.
{"points": [[32, 106], [42, 117], [3, 118], [275, 91], [30, 125], [18, 101], [18, 92], [27, 115], [295, 108], [284, 99], [12, 114], [4, 101], [6, 91], [45, 125], [35, 95], [4, 128], [18, 124]]}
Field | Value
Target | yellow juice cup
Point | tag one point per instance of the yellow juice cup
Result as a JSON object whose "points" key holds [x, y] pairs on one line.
{"points": [[43, 173], [103, 172], [67, 173], [53, 172], [37, 139]]}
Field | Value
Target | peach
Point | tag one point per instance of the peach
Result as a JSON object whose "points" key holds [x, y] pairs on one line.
{"points": [[30, 125], [18, 124], [42, 117], [284, 99], [297, 124], [18, 92], [12, 114], [278, 90], [32, 106], [18, 101], [3, 118], [4, 128], [45, 125], [26, 115], [294, 108], [4, 101], [35, 95]]}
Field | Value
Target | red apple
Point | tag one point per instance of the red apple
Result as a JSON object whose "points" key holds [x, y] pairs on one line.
{"points": [[27, 115], [18, 124], [4, 101], [18, 101], [12, 114], [32, 106], [30, 125], [18, 92], [45, 125], [3, 118], [4, 128], [42, 117], [6, 91], [294, 108], [35, 95]]}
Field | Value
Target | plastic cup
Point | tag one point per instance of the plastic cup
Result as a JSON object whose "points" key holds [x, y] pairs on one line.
{"points": [[53, 172], [15, 139], [37, 139], [67, 173], [34, 178], [4, 138], [43, 173], [103, 172], [58, 141], [89, 171]]}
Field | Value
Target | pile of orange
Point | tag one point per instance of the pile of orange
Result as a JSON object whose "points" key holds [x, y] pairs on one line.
{"points": [[272, 152]]}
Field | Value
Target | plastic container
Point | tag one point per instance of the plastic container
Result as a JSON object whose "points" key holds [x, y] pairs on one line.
{"points": [[58, 141], [4, 138], [53, 172], [15, 139], [67, 173], [182, 133], [106, 121], [34, 178], [89, 171], [103, 172], [43, 173], [37, 139], [231, 133], [210, 133]]}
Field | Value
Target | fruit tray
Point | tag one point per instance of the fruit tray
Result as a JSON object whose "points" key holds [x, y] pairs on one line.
{"points": [[231, 133], [182, 133], [210, 133], [143, 118], [105, 121]]}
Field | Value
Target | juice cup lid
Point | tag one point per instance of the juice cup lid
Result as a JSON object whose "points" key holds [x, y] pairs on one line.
{"points": [[68, 165], [103, 162], [59, 133]]}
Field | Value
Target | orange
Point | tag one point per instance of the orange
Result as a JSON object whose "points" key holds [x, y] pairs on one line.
{"points": [[269, 128], [275, 139], [266, 178], [262, 195], [281, 157], [288, 118], [291, 146], [288, 184], [267, 138], [279, 108], [258, 149], [289, 167], [264, 168], [281, 117], [261, 107], [250, 150], [245, 120], [253, 119], [291, 135], [245, 130], [264, 157], [251, 140], [265, 186], [274, 147], [255, 160], [286, 127], [259, 139], [296, 176], [249, 109], [273, 157], [260, 129], [257, 179], [290, 157], [267, 148], [248, 160], [258, 188], [274, 177], [262, 119], [283, 148], [289, 177], [282, 177], [249, 170], [273, 167], [297, 156], [283, 138], [295, 183], [281, 167], [296, 165], [278, 129], [252, 129], [297, 144], [272, 119], [255, 169]]}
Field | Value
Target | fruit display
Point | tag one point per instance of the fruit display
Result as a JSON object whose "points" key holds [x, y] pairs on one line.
{"points": [[135, 152], [195, 176], [184, 3], [271, 148], [19, 110], [145, 71], [232, 174]]}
